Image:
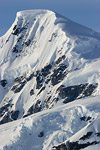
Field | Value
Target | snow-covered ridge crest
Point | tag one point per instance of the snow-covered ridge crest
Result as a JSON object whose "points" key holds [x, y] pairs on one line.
{"points": [[29, 15], [33, 12]]}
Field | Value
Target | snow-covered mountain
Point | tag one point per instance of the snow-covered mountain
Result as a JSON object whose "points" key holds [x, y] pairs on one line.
{"points": [[49, 84]]}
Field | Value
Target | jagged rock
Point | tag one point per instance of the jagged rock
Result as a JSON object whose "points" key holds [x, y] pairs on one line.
{"points": [[30, 77], [37, 107], [58, 61], [41, 134], [46, 70], [40, 75], [14, 28], [98, 134], [22, 81], [89, 118], [15, 49], [30, 111], [84, 137], [31, 92], [20, 38], [14, 87], [34, 109], [4, 109], [72, 92], [7, 115], [6, 119], [17, 30], [15, 114], [89, 90], [58, 74], [27, 43], [83, 118], [60, 147], [47, 81], [18, 79], [20, 87], [39, 79], [77, 146], [3, 82]]}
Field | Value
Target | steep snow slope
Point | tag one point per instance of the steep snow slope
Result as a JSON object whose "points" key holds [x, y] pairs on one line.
{"points": [[88, 138], [46, 129], [46, 61], [40, 56]]}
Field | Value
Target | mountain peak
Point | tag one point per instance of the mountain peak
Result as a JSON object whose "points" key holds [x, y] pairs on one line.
{"points": [[46, 62], [35, 12]]}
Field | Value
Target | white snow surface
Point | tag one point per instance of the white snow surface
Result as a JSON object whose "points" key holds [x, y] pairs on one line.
{"points": [[57, 125], [41, 38]]}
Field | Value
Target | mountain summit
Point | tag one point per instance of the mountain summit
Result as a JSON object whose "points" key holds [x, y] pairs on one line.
{"points": [[49, 83]]}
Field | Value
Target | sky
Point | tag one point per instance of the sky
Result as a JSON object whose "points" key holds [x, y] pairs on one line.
{"points": [[85, 12]]}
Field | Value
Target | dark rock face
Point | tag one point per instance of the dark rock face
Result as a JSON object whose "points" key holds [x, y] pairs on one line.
{"points": [[30, 111], [60, 147], [6, 119], [34, 109], [20, 87], [31, 92], [41, 134], [46, 70], [27, 43], [73, 92], [15, 49], [77, 146], [74, 145], [37, 107], [86, 118], [58, 61], [83, 118], [17, 30], [58, 74], [3, 82], [84, 137], [30, 77], [41, 76], [14, 28], [20, 82], [15, 114], [98, 134], [4, 109], [39, 80], [18, 79], [8, 115]]}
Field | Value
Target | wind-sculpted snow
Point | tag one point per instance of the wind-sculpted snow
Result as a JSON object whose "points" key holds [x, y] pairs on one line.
{"points": [[87, 138], [47, 61], [44, 130]]}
